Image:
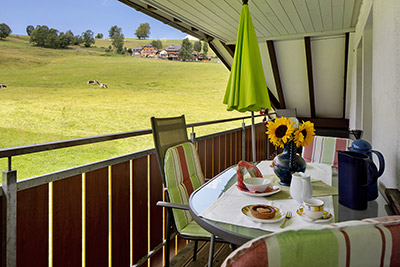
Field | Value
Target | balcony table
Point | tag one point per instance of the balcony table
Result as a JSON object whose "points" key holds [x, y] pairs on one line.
{"points": [[205, 197]]}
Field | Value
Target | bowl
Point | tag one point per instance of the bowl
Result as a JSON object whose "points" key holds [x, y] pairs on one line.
{"points": [[257, 184]]}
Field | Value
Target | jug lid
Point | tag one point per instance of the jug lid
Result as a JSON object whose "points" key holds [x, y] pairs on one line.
{"points": [[361, 144]]}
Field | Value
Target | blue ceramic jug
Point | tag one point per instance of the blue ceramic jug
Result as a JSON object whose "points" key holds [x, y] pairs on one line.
{"points": [[364, 147], [356, 172]]}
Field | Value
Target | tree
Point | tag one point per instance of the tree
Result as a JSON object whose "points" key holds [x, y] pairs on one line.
{"points": [[205, 49], [4, 31], [143, 31], [157, 44], [186, 50], [66, 39], [52, 39], [113, 31], [99, 36], [118, 43], [77, 40], [39, 35], [29, 29], [88, 38], [197, 47]]}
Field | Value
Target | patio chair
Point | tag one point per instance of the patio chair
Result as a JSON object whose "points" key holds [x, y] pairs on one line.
{"points": [[370, 242], [181, 173], [324, 149]]}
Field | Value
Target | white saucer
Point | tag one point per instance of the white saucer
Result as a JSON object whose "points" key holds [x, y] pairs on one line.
{"points": [[279, 215], [328, 217], [275, 189]]}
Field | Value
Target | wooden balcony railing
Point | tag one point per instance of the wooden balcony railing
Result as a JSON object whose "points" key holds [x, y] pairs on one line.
{"points": [[103, 213]]}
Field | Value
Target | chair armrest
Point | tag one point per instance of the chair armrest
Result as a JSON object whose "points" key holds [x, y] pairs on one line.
{"points": [[172, 205]]}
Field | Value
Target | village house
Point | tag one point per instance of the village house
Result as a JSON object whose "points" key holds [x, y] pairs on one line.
{"points": [[136, 50], [148, 51], [173, 51]]}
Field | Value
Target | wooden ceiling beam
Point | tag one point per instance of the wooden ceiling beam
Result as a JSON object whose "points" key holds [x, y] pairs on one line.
{"points": [[310, 76], [219, 55], [275, 71]]}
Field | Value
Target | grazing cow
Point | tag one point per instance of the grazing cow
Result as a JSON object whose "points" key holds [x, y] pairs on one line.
{"points": [[93, 82], [3, 86], [103, 85]]}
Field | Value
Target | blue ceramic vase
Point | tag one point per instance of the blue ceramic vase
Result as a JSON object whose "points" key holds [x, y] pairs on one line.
{"points": [[288, 162]]}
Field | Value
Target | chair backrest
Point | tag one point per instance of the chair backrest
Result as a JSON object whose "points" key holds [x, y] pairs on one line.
{"points": [[324, 149], [179, 164], [167, 132], [183, 175], [370, 242], [290, 112]]}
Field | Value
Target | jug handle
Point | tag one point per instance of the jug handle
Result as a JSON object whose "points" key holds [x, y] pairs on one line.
{"points": [[381, 162], [373, 171]]}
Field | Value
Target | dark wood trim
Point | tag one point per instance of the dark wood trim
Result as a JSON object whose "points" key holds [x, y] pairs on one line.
{"points": [[310, 76], [219, 55], [346, 62], [275, 70], [230, 48], [274, 102], [328, 122]]}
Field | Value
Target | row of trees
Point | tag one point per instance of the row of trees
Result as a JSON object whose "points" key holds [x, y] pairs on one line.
{"points": [[48, 37], [186, 52]]}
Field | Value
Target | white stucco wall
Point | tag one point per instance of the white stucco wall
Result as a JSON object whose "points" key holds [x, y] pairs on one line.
{"points": [[385, 118]]}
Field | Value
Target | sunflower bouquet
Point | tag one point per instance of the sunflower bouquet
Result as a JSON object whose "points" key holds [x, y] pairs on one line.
{"points": [[283, 130]]}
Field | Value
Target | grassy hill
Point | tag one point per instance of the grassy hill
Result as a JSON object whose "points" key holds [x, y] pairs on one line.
{"points": [[47, 99]]}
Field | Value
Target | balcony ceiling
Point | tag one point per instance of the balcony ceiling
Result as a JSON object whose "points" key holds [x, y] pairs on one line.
{"points": [[272, 19]]}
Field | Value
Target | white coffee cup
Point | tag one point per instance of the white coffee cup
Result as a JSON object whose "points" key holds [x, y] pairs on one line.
{"points": [[313, 208]]}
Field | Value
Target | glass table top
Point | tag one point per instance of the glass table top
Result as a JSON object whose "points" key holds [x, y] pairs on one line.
{"points": [[207, 194]]}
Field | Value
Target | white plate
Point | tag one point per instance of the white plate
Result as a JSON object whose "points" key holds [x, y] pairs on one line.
{"points": [[275, 189], [328, 217], [279, 215]]}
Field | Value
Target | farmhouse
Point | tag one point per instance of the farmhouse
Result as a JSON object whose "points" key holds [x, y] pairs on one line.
{"points": [[136, 50], [148, 51], [173, 51]]}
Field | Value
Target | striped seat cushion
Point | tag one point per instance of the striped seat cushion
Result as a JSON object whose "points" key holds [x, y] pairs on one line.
{"points": [[323, 149], [183, 175], [371, 242]]}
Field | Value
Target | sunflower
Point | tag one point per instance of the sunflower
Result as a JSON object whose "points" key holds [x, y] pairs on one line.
{"points": [[280, 131], [305, 134]]}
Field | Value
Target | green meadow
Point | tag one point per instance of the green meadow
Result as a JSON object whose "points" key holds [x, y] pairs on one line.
{"points": [[47, 99]]}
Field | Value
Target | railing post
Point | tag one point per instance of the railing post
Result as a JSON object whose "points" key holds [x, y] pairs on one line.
{"points": [[243, 141], [193, 136], [9, 223]]}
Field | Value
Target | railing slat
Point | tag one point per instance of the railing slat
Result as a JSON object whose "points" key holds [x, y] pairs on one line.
{"points": [[216, 158], [97, 218], [120, 234], [140, 209], [32, 227], [209, 163], [223, 163], [67, 222], [201, 149], [156, 194]]}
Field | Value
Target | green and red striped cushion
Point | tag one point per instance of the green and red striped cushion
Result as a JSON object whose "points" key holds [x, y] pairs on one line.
{"points": [[183, 175], [323, 149], [371, 242]]}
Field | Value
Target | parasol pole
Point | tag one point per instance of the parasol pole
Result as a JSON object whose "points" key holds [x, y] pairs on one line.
{"points": [[253, 137]]}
